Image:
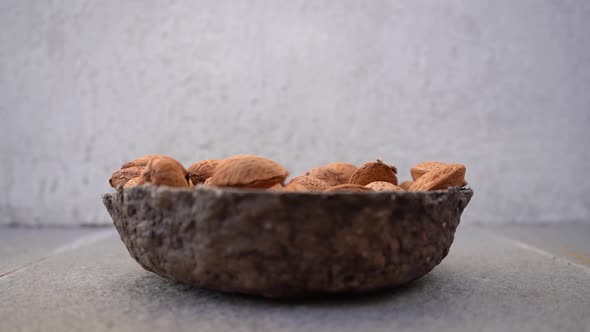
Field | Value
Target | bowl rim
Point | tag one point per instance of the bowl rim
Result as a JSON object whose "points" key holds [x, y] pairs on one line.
{"points": [[254, 191]]}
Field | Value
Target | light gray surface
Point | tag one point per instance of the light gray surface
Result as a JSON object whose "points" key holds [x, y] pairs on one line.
{"points": [[571, 241], [20, 247], [487, 283], [498, 85]]}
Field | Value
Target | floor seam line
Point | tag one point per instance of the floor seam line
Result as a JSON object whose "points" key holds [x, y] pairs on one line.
{"points": [[82, 241], [77, 243], [37, 261], [539, 251]]}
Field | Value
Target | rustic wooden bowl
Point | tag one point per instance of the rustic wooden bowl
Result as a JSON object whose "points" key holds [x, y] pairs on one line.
{"points": [[279, 244]]}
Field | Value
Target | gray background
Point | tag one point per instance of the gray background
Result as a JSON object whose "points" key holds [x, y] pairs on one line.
{"points": [[501, 86]]}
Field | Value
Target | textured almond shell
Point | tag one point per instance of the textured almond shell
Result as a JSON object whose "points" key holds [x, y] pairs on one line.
{"points": [[373, 171], [406, 184], [202, 170], [383, 186], [424, 167], [277, 187], [162, 171], [349, 187], [334, 173], [134, 182], [452, 175], [134, 168], [120, 177], [311, 183], [143, 161], [295, 187], [248, 171]]}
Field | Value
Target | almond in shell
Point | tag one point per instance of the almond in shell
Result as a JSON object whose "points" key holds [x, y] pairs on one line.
{"points": [[143, 161], [311, 183], [373, 171], [164, 172], [442, 178], [120, 177], [134, 182], [406, 184], [334, 173], [200, 171], [383, 186], [349, 187], [296, 187], [424, 167], [277, 187], [134, 168], [248, 171]]}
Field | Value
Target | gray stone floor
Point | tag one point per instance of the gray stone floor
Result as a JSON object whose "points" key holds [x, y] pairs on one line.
{"points": [[503, 278]]}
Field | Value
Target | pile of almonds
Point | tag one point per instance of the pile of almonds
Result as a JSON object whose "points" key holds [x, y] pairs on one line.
{"points": [[254, 172]]}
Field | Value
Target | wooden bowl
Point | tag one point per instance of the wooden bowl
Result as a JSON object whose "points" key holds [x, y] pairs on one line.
{"points": [[281, 244]]}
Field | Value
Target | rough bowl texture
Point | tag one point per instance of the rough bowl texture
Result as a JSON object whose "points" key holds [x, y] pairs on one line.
{"points": [[280, 244]]}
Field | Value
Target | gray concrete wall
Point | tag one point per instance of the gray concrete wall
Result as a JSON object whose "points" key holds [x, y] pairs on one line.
{"points": [[501, 86]]}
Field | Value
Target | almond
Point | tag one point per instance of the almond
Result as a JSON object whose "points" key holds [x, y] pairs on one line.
{"points": [[277, 187], [207, 182], [383, 186], [202, 170], [248, 171], [120, 177], [442, 178], [334, 173], [143, 161], [295, 187], [348, 187], [134, 182], [373, 171], [134, 168], [424, 167], [406, 184], [163, 171], [311, 183]]}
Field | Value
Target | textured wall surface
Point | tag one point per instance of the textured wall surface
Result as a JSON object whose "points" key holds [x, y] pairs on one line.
{"points": [[499, 85]]}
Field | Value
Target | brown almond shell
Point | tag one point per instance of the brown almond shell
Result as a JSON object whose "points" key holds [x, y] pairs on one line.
{"points": [[120, 177], [349, 187], [248, 171], [452, 175], [311, 183], [164, 172], [200, 171], [383, 186], [373, 171], [406, 184], [334, 173]]}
